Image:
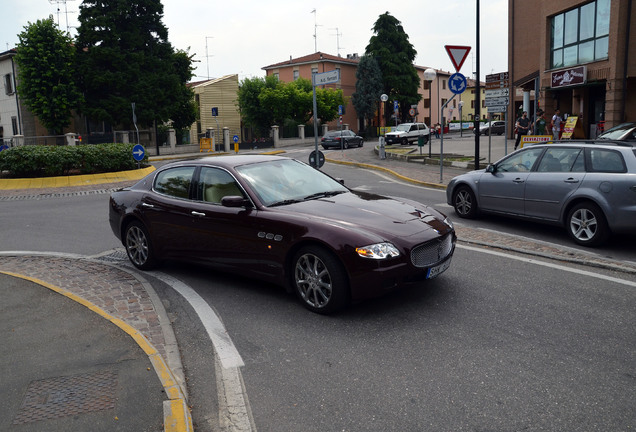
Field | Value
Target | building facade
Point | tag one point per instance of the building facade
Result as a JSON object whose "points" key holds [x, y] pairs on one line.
{"points": [[220, 94], [434, 93], [574, 56], [304, 67]]}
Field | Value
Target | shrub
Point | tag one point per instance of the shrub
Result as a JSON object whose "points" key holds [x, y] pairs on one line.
{"points": [[49, 161]]}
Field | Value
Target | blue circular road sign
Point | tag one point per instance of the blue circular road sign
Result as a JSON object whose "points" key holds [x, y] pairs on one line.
{"points": [[138, 152], [235, 138], [457, 83]]}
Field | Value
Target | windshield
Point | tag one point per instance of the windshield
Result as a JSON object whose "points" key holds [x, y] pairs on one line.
{"points": [[287, 181], [405, 127], [616, 132]]}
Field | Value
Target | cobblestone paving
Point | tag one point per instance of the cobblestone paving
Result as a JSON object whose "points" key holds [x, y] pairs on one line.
{"points": [[115, 291]]}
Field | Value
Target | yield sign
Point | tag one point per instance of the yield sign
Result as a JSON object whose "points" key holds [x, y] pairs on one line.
{"points": [[457, 54]]}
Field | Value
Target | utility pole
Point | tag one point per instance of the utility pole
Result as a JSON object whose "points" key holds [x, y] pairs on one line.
{"points": [[477, 95]]}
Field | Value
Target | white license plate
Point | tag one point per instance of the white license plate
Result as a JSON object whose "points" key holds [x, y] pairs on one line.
{"points": [[437, 270]]}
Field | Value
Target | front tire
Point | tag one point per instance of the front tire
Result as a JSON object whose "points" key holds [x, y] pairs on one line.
{"points": [[586, 224], [138, 246], [465, 203], [405, 141], [319, 280]]}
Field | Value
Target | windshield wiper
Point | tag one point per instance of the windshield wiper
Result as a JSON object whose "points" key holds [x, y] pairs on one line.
{"points": [[284, 202], [323, 195]]}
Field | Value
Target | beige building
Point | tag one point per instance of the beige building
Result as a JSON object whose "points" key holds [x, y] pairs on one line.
{"points": [[578, 56], [221, 94]]}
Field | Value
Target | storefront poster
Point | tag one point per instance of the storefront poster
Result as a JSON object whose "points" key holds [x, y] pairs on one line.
{"points": [[535, 139]]}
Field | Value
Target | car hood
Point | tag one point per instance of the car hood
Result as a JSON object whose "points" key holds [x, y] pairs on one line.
{"points": [[380, 215]]}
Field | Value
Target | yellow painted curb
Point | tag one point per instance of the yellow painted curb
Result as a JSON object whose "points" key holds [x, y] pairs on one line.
{"points": [[78, 180], [400, 176], [177, 418]]}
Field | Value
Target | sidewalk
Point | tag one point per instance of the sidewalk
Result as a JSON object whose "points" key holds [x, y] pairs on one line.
{"points": [[68, 367]]}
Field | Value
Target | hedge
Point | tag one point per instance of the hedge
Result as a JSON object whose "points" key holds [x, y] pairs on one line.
{"points": [[50, 161]]}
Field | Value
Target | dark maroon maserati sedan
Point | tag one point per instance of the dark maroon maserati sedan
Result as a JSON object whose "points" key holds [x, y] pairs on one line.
{"points": [[283, 221]]}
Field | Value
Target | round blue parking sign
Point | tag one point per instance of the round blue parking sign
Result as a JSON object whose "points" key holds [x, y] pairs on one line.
{"points": [[139, 152]]}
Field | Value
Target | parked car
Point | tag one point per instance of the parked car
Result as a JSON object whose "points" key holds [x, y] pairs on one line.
{"points": [[498, 127], [341, 139], [587, 187], [622, 132], [282, 221], [407, 133]]}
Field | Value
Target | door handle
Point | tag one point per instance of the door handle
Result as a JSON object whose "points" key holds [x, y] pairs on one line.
{"points": [[518, 180], [147, 205], [196, 213], [571, 180]]}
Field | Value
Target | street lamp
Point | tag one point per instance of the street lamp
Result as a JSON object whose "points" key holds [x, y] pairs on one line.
{"points": [[430, 75]]}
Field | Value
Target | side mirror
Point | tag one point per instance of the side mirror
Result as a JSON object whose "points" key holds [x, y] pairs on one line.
{"points": [[235, 201], [491, 168]]}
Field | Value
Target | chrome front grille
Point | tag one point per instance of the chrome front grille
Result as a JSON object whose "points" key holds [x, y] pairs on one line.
{"points": [[432, 252]]}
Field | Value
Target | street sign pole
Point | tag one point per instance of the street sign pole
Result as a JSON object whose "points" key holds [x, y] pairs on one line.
{"points": [[315, 122], [477, 91], [324, 78]]}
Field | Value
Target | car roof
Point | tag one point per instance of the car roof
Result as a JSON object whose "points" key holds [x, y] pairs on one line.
{"points": [[588, 143], [226, 161]]}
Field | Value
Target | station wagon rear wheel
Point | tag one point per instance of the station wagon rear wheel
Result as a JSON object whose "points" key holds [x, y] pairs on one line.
{"points": [[586, 224], [464, 202], [319, 280]]}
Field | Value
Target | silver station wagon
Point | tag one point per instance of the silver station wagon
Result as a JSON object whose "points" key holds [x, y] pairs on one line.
{"points": [[589, 187]]}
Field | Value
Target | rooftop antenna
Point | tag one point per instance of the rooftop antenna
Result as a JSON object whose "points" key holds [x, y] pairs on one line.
{"points": [[58, 3], [206, 53], [315, 31], [338, 34]]}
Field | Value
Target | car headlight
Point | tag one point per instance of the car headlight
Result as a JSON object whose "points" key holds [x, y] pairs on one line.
{"points": [[378, 251], [448, 222]]}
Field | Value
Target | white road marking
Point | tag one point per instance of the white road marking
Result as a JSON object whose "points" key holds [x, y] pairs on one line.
{"points": [[234, 411], [225, 349], [547, 264]]}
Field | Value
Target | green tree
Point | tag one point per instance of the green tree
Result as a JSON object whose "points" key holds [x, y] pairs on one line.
{"points": [[264, 102], [390, 46], [45, 58], [124, 56], [253, 113], [369, 88]]}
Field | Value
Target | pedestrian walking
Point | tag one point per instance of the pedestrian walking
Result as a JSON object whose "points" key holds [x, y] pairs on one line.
{"points": [[522, 125], [540, 124], [555, 124]]}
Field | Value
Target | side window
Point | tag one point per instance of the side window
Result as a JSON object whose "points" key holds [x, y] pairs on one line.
{"points": [[521, 161], [175, 182], [413, 128], [606, 160], [214, 184], [557, 159]]}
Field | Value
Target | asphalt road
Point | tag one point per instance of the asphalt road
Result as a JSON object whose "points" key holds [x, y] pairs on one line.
{"points": [[497, 342]]}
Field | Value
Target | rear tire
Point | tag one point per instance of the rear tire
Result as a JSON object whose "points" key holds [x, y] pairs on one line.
{"points": [[465, 203], [319, 280], [138, 246], [586, 224]]}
